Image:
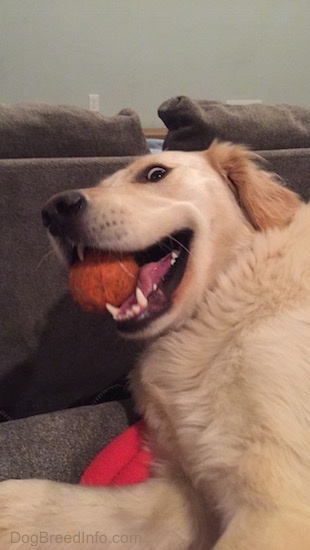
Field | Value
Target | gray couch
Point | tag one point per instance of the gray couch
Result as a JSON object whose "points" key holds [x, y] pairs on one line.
{"points": [[53, 355], [58, 362]]}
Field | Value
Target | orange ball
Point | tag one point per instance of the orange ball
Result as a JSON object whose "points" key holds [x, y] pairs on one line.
{"points": [[102, 278]]}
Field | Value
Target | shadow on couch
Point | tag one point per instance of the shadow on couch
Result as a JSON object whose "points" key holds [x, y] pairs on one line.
{"points": [[79, 356]]}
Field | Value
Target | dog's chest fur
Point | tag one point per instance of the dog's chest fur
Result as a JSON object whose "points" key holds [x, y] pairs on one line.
{"points": [[215, 391]]}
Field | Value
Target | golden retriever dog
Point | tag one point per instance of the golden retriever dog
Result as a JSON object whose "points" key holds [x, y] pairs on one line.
{"points": [[223, 294]]}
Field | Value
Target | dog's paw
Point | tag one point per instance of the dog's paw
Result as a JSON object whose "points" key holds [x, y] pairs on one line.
{"points": [[46, 515], [13, 512], [27, 509]]}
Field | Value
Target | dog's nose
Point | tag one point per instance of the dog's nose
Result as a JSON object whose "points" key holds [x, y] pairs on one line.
{"points": [[61, 210]]}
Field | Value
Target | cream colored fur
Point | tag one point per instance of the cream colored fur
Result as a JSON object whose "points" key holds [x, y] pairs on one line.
{"points": [[225, 386]]}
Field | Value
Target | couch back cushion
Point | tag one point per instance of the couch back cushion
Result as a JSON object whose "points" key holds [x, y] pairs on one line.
{"points": [[194, 124], [43, 131]]}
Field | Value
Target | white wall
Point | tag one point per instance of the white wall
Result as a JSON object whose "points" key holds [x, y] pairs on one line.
{"points": [[137, 53]]}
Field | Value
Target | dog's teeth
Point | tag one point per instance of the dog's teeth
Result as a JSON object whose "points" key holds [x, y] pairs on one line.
{"points": [[174, 257], [131, 312], [141, 299], [113, 310], [127, 315], [80, 251], [155, 287]]}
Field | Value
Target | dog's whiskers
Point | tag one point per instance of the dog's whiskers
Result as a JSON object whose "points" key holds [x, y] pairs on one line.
{"points": [[180, 244], [126, 270], [45, 256]]}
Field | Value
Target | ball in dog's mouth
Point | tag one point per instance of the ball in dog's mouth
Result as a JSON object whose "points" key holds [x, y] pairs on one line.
{"points": [[161, 270]]}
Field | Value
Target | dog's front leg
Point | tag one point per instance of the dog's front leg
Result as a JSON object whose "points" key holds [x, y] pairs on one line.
{"points": [[43, 514]]}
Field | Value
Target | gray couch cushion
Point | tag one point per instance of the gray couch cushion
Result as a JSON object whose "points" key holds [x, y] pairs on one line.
{"points": [[52, 353], [293, 166], [60, 445], [38, 130], [194, 124]]}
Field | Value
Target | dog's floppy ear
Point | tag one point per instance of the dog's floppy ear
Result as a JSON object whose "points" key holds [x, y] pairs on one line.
{"points": [[266, 202]]}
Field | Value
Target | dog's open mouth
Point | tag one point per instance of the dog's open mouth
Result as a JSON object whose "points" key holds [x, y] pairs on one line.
{"points": [[161, 270]]}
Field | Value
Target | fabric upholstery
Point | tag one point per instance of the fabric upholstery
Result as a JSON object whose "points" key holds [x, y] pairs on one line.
{"points": [[194, 124], [60, 445], [293, 166], [32, 130]]}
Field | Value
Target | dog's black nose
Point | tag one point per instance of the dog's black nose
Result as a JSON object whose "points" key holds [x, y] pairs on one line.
{"points": [[61, 211]]}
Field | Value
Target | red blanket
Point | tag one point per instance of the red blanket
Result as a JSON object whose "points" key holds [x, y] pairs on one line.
{"points": [[124, 461]]}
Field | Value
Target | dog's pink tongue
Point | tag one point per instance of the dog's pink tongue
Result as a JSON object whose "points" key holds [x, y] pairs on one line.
{"points": [[149, 277], [151, 274]]}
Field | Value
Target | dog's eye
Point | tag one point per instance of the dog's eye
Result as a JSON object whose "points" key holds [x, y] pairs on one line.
{"points": [[156, 173]]}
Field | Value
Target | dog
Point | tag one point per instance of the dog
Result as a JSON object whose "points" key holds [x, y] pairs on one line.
{"points": [[223, 296]]}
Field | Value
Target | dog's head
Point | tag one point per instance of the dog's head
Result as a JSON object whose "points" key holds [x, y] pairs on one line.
{"points": [[184, 216]]}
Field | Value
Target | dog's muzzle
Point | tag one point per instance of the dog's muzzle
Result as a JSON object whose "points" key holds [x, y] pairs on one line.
{"points": [[161, 265]]}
